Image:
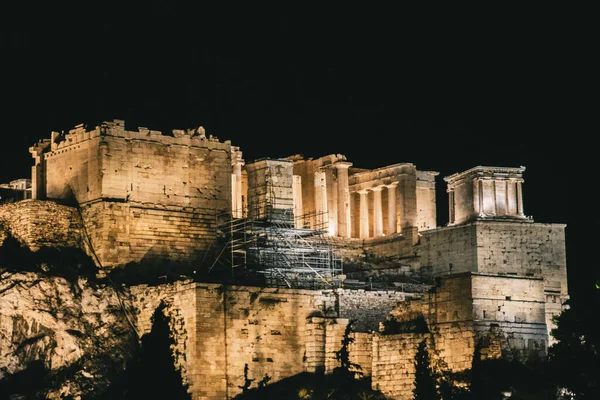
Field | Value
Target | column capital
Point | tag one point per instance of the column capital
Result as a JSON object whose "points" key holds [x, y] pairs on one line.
{"points": [[378, 188], [338, 164], [391, 185], [363, 191], [342, 164]]}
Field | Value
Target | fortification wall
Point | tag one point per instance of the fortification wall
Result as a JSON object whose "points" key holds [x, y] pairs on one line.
{"points": [[366, 308], [73, 169], [426, 204], [185, 170], [276, 332], [392, 247], [524, 249], [516, 307], [124, 232], [41, 223], [393, 363], [449, 250], [195, 174], [143, 195]]}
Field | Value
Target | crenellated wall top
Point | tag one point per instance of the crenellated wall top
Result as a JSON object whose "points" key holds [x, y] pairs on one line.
{"points": [[189, 137]]}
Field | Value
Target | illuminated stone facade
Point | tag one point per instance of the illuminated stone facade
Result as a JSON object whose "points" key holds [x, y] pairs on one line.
{"points": [[142, 195], [492, 272]]}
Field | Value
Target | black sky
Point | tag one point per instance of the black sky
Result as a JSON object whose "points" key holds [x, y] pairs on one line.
{"points": [[444, 91]]}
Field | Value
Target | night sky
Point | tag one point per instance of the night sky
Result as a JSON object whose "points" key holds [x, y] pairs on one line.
{"points": [[381, 86]]}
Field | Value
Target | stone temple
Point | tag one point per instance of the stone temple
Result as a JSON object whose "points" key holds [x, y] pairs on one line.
{"points": [[334, 243]]}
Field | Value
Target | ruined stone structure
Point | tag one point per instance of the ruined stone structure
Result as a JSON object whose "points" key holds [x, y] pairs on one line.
{"points": [[491, 277], [142, 195]]}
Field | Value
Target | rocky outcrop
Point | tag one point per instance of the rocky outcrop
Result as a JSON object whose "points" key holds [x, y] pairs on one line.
{"points": [[78, 330]]}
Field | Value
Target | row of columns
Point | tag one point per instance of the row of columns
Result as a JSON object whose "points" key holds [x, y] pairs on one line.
{"points": [[377, 210], [481, 206]]}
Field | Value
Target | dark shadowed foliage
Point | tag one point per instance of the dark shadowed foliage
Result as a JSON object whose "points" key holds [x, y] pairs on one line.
{"points": [[66, 262], [574, 361], [312, 387], [151, 373], [425, 385]]}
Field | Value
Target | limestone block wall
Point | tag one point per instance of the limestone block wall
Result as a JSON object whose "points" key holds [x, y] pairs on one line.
{"points": [[365, 308], [72, 168], [463, 309], [527, 249], [143, 194], [524, 249], [334, 335], [361, 352], [180, 301], [393, 247], [185, 170], [194, 175], [224, 328], [448, 311], [41, 223], [123, 232], [449, 250], [270, 188], [516, 306], [393, 363], [276, 332], [426, 204]]}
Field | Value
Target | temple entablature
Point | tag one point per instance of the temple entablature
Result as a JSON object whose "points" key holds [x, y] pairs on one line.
{"points": [[486, 193]]}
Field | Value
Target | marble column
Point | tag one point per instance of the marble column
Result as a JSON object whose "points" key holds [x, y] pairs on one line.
{"points": [[297, 196], [364, 214], [377, 212], [343, 198], [38, 182], [236, 183], [520, 211], [321, 220], [451, 206], [392, 220], [476, 198]]}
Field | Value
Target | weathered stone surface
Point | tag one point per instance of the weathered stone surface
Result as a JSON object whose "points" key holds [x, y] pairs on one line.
{"points": [[41, 223], [63, 324]]}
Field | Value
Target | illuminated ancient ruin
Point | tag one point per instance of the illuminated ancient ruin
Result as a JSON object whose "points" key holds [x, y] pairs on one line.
{"points": [[336, 242]]}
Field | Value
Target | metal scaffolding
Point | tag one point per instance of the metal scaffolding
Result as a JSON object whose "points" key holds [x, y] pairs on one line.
{"points": [[279, 247]]}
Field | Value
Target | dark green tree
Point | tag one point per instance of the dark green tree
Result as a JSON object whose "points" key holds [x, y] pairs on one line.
{"points": [[425, 385], [574, 361]]}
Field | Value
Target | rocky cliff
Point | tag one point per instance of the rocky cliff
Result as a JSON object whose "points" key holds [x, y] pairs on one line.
{"points": [[75, 334]]}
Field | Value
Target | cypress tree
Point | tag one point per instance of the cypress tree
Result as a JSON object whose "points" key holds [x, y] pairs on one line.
{"points": [[425, 388]]}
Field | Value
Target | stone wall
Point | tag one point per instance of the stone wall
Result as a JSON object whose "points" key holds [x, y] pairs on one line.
{"points": [[41, 223], [224, 328], [366, 308], [143, 194], [516, 306], [463, 309], [449, 250], [270, 192], [426, 204], [524, 249], [276, 332], [393, 363], [392, 247], [125, 232]]}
